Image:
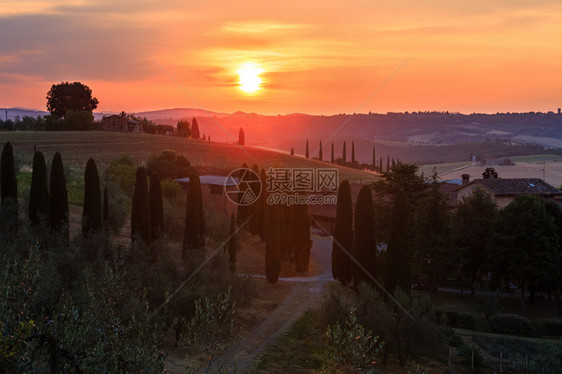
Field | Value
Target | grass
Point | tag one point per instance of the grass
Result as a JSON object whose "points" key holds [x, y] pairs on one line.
{"points": [[297, 351], [77, 147], [74, 185]]}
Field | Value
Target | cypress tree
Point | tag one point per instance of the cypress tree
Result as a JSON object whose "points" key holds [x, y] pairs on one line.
{"points": [[39, 191], [232, 246], [332, 157], [387, 163], [8, 180], [194, 233], [242, 214], [393, 163], [241, 138], [380, 164], [364, 244], [194, 129], [91, 212], [344, 153], [320, 152], [343, 235], [374, 158], [105, 206], [353, 151], [155, 207], [285, 225], [299, 235], [272, 242], [398, 272], [306, 154], [58, 198], [140, 218], [253, 208], [262, 205], [9, 186], [292, 151]]}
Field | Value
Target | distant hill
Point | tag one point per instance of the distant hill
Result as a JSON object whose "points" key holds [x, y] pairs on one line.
{"points": [[12, 113], [420, 137], [177, 113]]}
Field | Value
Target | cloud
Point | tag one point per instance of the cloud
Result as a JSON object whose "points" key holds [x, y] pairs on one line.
{"points": [[65, 46]]}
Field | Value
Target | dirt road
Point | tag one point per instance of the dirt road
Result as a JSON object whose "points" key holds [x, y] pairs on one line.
{"points": [[306, 294]]}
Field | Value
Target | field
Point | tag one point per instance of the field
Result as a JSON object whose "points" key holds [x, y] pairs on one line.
{"points": [[442, 168], [525, 167], [209, 157]]}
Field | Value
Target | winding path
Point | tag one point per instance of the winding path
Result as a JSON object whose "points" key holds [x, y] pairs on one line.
{"points": [[306, 294]]}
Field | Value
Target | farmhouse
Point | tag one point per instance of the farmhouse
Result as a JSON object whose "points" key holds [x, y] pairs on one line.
{"points": [[506, 189], [120, 123]]}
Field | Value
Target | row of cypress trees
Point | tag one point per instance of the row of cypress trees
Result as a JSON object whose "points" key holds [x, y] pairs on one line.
{"points": [[355, 235], [48, 198], [284, 229]]}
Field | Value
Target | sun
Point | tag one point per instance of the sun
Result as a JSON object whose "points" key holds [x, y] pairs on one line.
{"points": [[249, 79]]}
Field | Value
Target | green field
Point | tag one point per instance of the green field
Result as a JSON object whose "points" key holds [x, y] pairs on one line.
{"points": [[209, 157]]}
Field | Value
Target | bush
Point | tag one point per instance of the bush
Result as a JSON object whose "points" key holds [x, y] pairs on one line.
{"points": [[543, 358], [510, 324], [456, 319], [174, 217], [121, 172], [169, 165], [404, 338], [352, 345], [551, 327], [170, 189], [466, 353], [117, 204]]}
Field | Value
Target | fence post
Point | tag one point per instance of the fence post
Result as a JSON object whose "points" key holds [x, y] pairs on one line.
{"points": [[472, 362], [526, 363], [501, 362], [449, 364]]}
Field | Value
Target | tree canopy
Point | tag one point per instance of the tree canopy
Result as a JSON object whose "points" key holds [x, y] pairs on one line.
{"points": [[65, 96], [474, 217], [524, 242]]}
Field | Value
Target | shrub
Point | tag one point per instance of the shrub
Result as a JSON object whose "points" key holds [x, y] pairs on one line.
{"points": [[121, 171], [170, 189], [352, 345], [466, 353], [169, 165], [174, 216], [510, 324], [460, 320], [117, 206], [551, 327]]}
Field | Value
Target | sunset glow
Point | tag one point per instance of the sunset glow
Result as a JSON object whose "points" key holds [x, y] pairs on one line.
{"points": [[249, 78], [468, 56]]}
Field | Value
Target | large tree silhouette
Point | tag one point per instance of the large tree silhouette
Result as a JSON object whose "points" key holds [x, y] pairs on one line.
{"points": [[65, 96]]}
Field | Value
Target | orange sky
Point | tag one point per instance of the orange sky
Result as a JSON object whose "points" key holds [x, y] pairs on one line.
{"points": [[320, 57]]}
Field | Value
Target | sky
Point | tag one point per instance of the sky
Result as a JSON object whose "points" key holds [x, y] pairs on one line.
{"points": [[317, 57]]}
